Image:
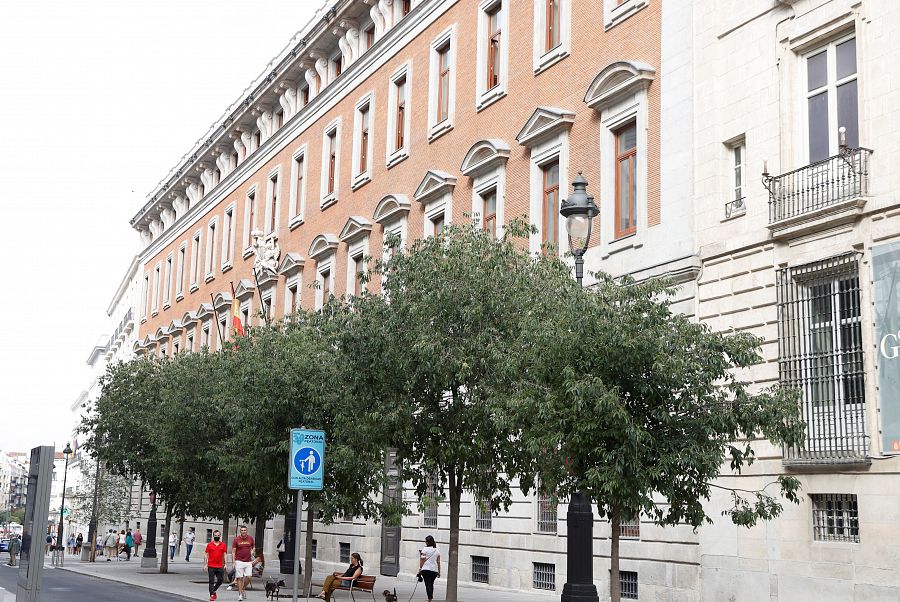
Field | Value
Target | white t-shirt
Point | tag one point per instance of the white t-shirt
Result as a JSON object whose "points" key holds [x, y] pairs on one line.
{"points": [[189, 538], [431, 556], [172, 539]]}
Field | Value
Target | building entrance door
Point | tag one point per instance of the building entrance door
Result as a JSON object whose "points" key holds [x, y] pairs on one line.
{"points": [[390, 533]]}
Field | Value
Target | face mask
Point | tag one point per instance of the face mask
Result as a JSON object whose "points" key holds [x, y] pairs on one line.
{"points": [[217, 538]]}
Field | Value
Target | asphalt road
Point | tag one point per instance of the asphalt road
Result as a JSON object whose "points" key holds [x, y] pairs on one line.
{"points": [[65, 586]]}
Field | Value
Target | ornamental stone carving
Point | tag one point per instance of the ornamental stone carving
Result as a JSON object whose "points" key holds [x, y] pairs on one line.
{"points": [[267, 253]]}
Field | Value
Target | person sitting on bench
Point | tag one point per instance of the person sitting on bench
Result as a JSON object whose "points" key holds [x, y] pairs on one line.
{"points": [[345, 579]]}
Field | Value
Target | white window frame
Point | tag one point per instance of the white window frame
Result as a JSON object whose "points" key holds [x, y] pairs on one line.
{"points": [[157, 274], [176, 346], [294, 282], [634, 108], [831, 86], [484, 97], [298, 197], [482, 184], [396, 155], [271, 187], [195, 260], [267, 295], [145, 297], [364, 176], [206, 334], [252, 196], [436, 128], [189, 340], [548, 151], [327, 265], [222, 333], [180, 271], [358, 250], [245, 309], [543, 58], [167, 280], [327, 199], [441, 205], [211, 248], [229, 228], [614, 13]]}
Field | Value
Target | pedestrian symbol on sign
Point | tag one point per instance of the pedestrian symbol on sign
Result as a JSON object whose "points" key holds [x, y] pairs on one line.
{"points": [[307, 461]]}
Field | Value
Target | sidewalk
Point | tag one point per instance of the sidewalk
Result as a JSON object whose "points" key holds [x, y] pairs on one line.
{"points": [[190, 580]]}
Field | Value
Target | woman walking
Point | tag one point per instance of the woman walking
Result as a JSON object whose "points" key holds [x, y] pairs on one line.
{"points": [[429, 565], [337, 579]]}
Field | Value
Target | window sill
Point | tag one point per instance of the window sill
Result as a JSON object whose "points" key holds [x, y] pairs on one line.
{"points": [[550, 58], [396, 157], [361, 180], [486, 99], [154, 313], [167, 305], [194, 287], [209, 278], [623, 243], [623, 11], [247, 252], [226, 266], [328, 202], [295, 222], [179, 297], [439, 129], [143, 319]]}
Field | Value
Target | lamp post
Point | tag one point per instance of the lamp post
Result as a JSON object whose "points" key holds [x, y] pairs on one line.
{"points": [[579, 211], [62, 506], [148, 558]]}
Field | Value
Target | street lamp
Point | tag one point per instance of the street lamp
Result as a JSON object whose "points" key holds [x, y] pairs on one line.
{"points": [[579, 211], [62, 506]]}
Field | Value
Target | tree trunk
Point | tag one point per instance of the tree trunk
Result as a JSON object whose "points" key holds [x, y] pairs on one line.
{"points": [[180, 532], [453, 551], [307, 556], [164, 561], [615, 586], [259, 533], [225, 525]]}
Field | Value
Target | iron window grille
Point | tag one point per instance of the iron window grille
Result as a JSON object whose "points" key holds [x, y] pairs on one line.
{"points": [[820, 354], [628, 585], [481, 569], [630, 528], [544, 576], [546, 513], [430, 511], [835, 517], [315, 548], [345, 551], [483, 515]]}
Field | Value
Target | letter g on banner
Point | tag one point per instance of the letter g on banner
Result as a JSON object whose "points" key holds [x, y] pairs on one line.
{"points": [[890, 346]]}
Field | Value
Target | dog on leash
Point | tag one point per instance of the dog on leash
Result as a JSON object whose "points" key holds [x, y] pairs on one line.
{"points": [[273, 588], [390, 597]]}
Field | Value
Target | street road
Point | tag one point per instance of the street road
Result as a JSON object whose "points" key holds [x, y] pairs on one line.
{"points": [[65, 586]]}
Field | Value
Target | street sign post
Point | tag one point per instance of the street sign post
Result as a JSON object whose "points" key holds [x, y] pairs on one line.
{"points": [[37, 502], [306, 464]]}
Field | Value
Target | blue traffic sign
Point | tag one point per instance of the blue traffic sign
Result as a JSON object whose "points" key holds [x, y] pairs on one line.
{"points": [[307, 460]]}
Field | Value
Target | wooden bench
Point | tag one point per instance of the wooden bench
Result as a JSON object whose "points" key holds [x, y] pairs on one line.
{"points": [[363, 583]]}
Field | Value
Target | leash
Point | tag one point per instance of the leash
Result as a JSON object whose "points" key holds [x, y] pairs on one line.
{"points": [[413, 592]]}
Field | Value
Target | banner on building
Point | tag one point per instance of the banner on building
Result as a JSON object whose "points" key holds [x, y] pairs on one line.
{"points": [[886, 277]]}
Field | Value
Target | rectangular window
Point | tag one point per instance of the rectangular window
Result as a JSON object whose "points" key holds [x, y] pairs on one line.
{"points": [[443, 83], [298, 187], [156, 282], [359, 271], [483, 514], [544, 576], [266, 316], [167, 287], [495, 35], [204, 337], [628, 585], [370, 36], [364, 139], [315, 548], [832, 98], [820, 351], [279, 118], [552, 39], [400, 115], [293, 299], [210, 247], [332, 161], [550, 206], [228, 237], [190, 343], [195, 259], [179, 270], [737, 152], [273, 203], [626, 181], [630, 527], [345, 551], [430, 512], [835, 517], [146, 297], [546, 513], [437, 224], [326, 286], [489, 221], [250, 215], [481, 569]]}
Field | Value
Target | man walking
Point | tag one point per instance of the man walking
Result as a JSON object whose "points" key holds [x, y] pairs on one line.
{"points": [[242, 548], [189, 543], [109, 544], [214, 561], [138, 540], [15, 545]]}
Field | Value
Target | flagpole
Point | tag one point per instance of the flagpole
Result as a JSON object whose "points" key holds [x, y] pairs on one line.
{"points": [[262, 305], [218, 324]]}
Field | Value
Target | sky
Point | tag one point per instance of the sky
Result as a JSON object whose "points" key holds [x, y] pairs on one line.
{"points": [[98, 101]]}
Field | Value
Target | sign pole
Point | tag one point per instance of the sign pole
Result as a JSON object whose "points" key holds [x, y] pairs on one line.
{"points": [[298, 522]]}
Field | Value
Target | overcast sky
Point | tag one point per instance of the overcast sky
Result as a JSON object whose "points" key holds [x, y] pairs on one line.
{"points": [[99, 100]]}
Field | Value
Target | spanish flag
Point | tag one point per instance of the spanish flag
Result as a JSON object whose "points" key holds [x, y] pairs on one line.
{"points": [[236, 317]]}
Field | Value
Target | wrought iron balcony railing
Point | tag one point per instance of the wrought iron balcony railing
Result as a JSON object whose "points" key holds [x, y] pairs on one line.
{"points": [[831, 181]]}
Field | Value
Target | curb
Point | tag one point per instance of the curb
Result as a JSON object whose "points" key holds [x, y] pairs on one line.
{"points": [[104, 578]]}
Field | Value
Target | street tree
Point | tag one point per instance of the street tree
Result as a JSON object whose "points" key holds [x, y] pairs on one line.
{"points": [[636, 407], [113, 499], [436, 354]]}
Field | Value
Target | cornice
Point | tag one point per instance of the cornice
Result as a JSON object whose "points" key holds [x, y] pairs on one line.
{"points": [[374, 58]]}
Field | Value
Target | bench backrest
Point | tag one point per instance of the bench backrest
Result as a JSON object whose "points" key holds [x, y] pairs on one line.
{"points": [[366, 582]]}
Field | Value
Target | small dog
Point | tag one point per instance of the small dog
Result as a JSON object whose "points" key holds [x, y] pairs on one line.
{"points": [[390, 597], [273, 588]]}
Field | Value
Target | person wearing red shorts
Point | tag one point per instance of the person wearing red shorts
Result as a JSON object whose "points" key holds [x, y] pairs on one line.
{"points": [[214, 561]]}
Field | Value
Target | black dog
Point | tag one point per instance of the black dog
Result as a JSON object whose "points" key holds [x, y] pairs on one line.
{"points": [[390, 597], [273, 588]]}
